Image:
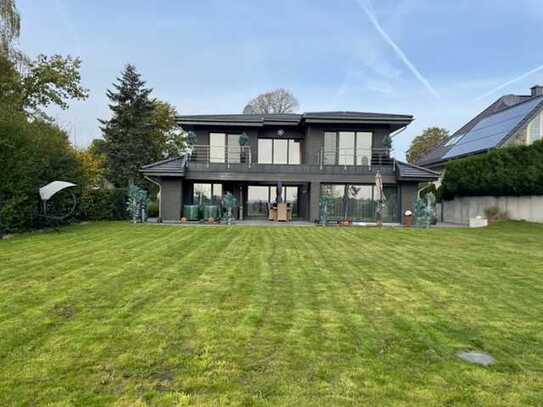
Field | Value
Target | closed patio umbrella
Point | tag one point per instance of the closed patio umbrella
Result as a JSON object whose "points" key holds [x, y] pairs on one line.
{"points": [[379, 196], [279, 192]]}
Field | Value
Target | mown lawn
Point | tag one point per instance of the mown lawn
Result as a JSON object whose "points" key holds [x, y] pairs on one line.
{"points": [[134, 315]]}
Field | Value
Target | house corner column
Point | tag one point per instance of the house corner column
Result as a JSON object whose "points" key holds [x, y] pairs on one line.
{"points": [[171, 199], [408, 193], [314, 200]]}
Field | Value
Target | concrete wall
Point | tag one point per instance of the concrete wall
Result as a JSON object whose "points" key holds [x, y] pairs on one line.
{"points": [[459, 210]]}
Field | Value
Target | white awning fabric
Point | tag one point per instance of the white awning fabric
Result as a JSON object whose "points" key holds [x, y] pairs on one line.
{"points": [[52, 188]]}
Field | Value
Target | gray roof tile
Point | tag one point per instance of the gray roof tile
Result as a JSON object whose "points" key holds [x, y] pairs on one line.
{"points": [[407, 171]]}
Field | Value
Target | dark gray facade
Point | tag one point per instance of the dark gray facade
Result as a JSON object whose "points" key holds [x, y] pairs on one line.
{"points": [[307, 166]]}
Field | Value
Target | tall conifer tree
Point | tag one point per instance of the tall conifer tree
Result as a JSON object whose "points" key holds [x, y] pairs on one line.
{"points": [[130, 134]]}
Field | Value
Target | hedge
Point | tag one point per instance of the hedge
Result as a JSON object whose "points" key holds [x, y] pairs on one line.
{"points": [[103, 204], [32, 154], [510, 171]]}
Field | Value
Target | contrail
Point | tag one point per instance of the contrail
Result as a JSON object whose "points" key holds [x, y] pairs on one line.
{"points": [[368, 9], [503, 85]]}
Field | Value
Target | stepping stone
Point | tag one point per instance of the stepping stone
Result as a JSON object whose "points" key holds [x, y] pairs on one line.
{"points": [[478, 358]]}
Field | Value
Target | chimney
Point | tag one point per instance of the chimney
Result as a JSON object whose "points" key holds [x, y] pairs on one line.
{"points": [[537, 90]]}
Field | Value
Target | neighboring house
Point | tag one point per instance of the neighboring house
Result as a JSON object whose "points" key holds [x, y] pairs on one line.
{"points": [[301, 156], [510, 120]]}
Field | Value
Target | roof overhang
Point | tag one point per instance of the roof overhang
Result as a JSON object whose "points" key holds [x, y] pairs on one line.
{"points": [[395, 121], [413, 173], [171, 167]]}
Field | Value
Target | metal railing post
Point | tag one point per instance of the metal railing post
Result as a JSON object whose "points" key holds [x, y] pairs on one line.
{"points": [[227, 151], [321, 158]]}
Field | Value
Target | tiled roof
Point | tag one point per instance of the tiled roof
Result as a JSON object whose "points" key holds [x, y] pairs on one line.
{"points": [[406, 171], [171, 166]]}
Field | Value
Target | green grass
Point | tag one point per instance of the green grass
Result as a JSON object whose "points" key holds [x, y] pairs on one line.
{"points": [[120, 314]]}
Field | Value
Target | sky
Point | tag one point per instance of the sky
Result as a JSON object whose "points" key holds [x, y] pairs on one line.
{"points": [[441, 61]]}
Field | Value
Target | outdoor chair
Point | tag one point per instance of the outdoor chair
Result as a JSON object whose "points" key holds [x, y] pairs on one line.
{"points": [[282, 212]]}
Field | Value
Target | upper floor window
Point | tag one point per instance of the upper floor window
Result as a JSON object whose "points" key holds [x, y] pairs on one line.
{"points": [[347, 148], [278, 151], [535, 128], [223, 146]]}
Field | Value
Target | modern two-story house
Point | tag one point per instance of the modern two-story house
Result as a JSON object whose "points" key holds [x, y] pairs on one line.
{"points": [[300, 157]]}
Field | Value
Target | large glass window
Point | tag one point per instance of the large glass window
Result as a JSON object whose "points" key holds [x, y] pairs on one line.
{"points": [[278, 151], [357, 202], [223, 146], [347, 148], [265, 151], [234, 149], [262, 197], [363, 148], [294, 152], [258, 198], [330, 147], [204, 194], [217, 147]]}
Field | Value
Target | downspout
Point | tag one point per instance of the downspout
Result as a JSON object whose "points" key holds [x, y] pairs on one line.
{"points": [[394, 134], [159, 191]]}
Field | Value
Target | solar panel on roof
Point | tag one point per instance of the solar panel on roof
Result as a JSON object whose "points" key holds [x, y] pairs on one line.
{"points": [[492, 129]]}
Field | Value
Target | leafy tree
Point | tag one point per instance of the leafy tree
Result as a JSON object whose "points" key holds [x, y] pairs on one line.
{"points": [[275, 101], [46, 81], [10, 25], [97, 149], [426, 142], [169, 134], [52, 80], [93, 167], [130, 134]]}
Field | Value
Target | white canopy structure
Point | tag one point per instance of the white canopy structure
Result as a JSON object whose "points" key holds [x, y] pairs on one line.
{"points": [[52, 188]]}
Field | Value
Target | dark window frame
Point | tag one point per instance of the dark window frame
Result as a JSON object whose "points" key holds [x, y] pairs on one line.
{"points": [[288, 140], [337, 150]]}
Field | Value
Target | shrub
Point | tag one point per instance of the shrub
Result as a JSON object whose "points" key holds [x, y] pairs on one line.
{"points": [[511, 171], [494, 214], [152, 209], [32, 154], [103, 204]]}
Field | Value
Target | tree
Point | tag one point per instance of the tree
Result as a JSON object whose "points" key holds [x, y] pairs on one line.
{"points": [[131, 133], [169, 134], [10, 25], [425, 142], [275, 101], [46, 81]]}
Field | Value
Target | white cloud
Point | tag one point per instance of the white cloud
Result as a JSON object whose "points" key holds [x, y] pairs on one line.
{"points": [[368, 9], [510, 82]]}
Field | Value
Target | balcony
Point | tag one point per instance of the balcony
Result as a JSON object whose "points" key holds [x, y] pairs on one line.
{"points": [[226, 162]]}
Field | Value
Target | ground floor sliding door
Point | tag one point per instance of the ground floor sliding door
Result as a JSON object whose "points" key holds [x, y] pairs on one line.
{"points": [[357, 202], [260, 198]]}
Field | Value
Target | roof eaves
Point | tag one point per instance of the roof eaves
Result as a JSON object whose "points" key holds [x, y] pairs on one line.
{"points": [[534, 112], [167, 160]]}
